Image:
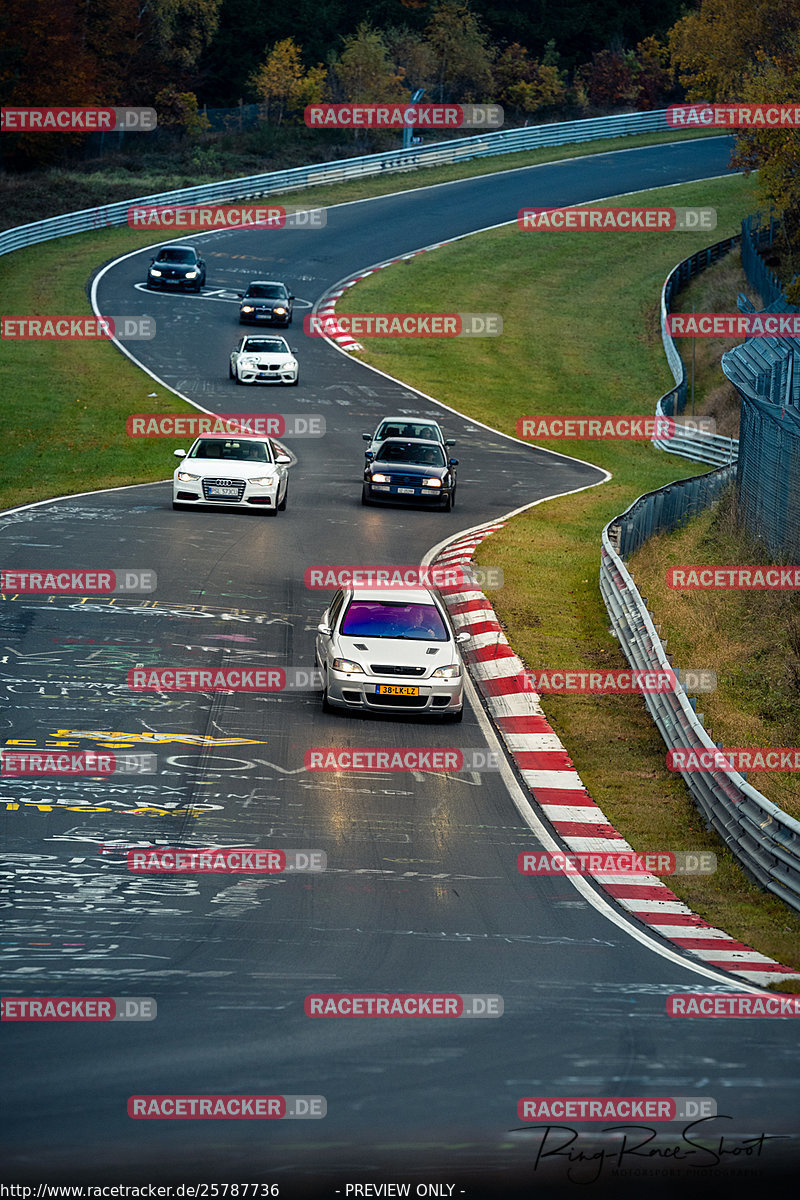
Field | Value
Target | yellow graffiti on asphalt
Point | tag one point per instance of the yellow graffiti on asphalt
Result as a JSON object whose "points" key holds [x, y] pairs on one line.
{"points": [[186, 739]]}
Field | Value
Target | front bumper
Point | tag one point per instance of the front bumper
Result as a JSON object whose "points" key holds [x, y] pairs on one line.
{"points": [[254, 375], [359, 691], [175, 285], [247, 495], [407, 492], [264, 318]]}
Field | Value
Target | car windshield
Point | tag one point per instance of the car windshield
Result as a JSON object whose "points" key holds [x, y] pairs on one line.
{"points": [[265, 346], [406, 429], [232, 449], [411, 452], [172, 255], [265, 291], [394, 619]]}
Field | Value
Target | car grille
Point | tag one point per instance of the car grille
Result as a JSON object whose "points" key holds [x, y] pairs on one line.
{"points": [[396, 701], [237, 483], [171, 273], [269, 366], [404, 480], [383, 669]]}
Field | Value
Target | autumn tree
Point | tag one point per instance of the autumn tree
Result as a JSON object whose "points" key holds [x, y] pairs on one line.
{"points": [[413, 57], [610, 78], [363, 70], [654, 76], [730, 50], [283, 84], [525, 84], [715, 48], [463, 53]]}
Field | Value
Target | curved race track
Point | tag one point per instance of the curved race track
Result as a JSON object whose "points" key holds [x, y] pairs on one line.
{"points": [[422, 892]]}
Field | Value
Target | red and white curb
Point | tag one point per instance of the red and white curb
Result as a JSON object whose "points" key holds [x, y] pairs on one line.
{"points": [[550, 776], [327, 307]]}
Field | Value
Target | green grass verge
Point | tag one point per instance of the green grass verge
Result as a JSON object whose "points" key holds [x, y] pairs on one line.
{"points": [[751, 639], [581, 336]]}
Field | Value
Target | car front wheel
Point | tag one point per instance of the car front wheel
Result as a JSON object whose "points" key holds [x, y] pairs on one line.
{"points": [[364, 496], [282, 505]]}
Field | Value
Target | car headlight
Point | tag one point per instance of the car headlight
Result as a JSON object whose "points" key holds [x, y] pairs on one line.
{"points": [[191, 274], [447, 672], [279, 310], [249, 364], [432, 483], [247, 308], [347, 664], [378, 478], [265, 481], [185, 477], [154, 271]]}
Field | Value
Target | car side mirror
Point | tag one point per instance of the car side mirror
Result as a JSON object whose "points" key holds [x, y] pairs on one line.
{"points": [[291, 297], [179, 453], [369, 455], [323, 628], [463, 636], [239, 294], [450, 442], [452, 462], [293, 349], [366, 437], [282, 458]]}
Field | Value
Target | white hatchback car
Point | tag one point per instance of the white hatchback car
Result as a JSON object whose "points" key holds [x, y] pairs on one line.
{"points": [[234, 471], [406, 427], [390, 650], [264, 360]]}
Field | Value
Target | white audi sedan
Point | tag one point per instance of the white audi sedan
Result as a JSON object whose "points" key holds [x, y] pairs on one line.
{"points": [[390, 650], [264, 360], [239, 471]]}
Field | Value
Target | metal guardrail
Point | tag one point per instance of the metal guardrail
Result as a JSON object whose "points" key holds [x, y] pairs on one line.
{"points": [[764, 839], [253, 187], [710, 448]]}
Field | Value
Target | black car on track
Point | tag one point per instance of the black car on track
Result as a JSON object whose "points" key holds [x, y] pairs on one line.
{"points": [[266, 302], [410, 470], [177, 268]]}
